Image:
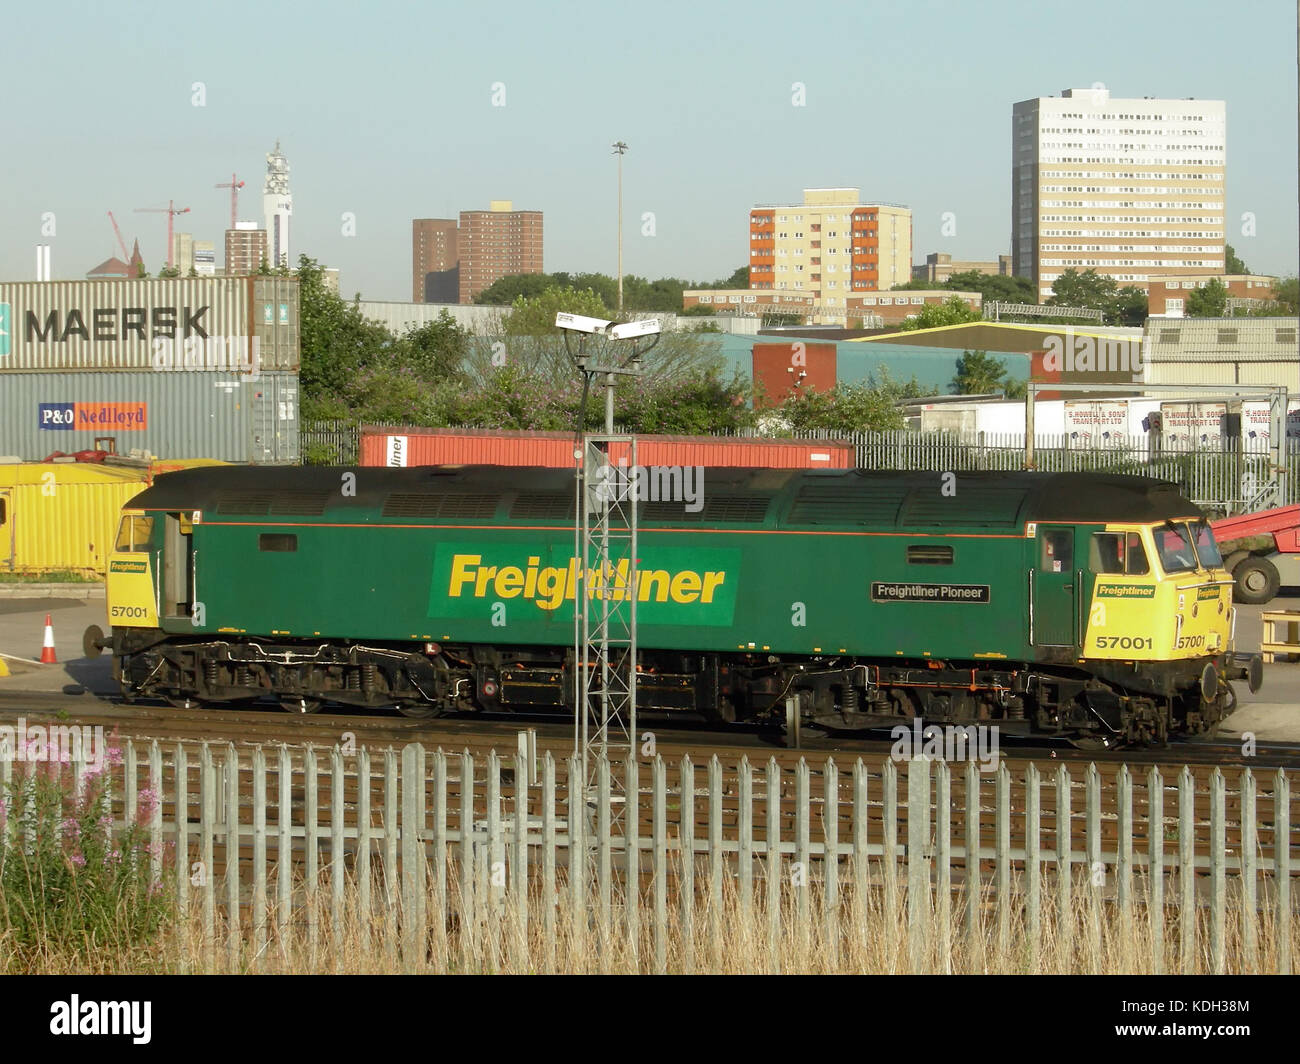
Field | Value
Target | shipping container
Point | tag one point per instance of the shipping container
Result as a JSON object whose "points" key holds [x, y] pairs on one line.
{"points": [[422, 446], [62, 515], [223, 416], [160, 325]]}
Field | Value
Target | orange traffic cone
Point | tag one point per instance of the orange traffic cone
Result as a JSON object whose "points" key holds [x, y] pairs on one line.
{"points": [[47, 651]]}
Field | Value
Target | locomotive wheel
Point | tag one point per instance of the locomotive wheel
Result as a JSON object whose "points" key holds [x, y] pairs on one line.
{"points": [[418, 710], [299, 704]]}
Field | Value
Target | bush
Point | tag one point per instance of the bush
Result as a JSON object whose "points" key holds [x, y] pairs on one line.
{"points": [[71, 887]]}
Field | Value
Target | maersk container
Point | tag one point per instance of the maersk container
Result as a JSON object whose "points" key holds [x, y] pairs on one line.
{"points": [[423, 446], [213, 323], [177, 415]]}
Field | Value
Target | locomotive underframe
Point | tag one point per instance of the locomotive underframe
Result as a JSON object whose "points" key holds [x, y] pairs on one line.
{"points": [[1111, 701]]}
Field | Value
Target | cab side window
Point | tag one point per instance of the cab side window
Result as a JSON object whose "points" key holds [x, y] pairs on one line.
{"points": [[1135, 556], [1106, 553], [1118, 553], [133, 534]]}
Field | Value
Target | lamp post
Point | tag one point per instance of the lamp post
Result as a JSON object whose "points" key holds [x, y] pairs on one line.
{"points": [[619, 149]]}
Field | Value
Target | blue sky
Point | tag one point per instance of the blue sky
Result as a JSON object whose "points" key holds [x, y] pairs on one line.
{"points": [[386, 110]]}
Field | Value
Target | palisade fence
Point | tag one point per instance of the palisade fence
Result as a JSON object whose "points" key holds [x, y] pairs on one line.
{"points": [[484, 861], [1216, 478]]}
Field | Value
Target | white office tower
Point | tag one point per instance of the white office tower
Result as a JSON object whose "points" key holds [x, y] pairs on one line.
{"points": [[277, 204], [1130, 188]]}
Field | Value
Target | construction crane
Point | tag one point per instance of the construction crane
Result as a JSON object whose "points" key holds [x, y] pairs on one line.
{"points": [[234, 184], [171, 210], [126, 255]]}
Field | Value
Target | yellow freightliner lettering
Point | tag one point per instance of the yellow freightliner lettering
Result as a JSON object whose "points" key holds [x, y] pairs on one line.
{"points": [[548, 587]]}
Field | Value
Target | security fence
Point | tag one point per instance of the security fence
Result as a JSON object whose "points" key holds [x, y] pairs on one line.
{"points": [[1216, 477], [484, 858]]}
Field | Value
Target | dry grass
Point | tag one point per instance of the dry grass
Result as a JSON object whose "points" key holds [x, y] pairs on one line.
{"points": [[867, 935]]}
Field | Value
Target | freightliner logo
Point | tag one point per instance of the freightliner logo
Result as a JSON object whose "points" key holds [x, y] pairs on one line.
{"points": [[673, 585]]}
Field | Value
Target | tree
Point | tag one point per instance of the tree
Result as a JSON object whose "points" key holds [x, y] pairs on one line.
{"points": [[337, 343], [1090, 289], [994, 286], [991, 286], [844, 408], [140, 271], [1231, 264], [535, 315], [700, 310], [436, 349], [503, 292], [1208, 301], [1129, 307], [169, 271], [952, 311], [739, 279], [978, 373], [1285, 302]]}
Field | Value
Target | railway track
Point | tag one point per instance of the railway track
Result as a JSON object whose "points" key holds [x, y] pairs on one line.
{"points": [[269, 725], [233, 737]]}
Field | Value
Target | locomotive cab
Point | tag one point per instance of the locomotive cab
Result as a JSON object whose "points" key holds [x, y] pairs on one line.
{"points": [[132, 569], [1158, 592]]}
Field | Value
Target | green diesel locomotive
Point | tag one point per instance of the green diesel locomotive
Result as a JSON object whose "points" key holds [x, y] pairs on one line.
{"points": [[1073, 604]]}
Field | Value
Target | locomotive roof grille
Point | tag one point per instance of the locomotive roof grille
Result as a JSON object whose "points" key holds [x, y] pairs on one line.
{"points": [[989, 506], [734, 509], [817, 498], [461, 505], [304, 503], [541, 505], [248, 502], [830, 504]]}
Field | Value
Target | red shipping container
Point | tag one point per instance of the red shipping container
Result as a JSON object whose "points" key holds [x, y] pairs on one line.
{"points": [[393, 446]]}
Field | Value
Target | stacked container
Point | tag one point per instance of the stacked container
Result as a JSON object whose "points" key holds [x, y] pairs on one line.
{"points": [[183, 368], [424, 446]]}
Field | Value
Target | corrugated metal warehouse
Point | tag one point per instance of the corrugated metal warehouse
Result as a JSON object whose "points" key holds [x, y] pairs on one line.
{"points": [[62, 515], [170, 415], [425, 446], [1223, 351]]}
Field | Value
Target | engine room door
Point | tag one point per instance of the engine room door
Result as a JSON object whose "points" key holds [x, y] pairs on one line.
{"points": [[177, 567], [1056, 587]]}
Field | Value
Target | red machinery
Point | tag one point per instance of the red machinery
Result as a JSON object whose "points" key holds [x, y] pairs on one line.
{"points": [[1257, 574]]}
